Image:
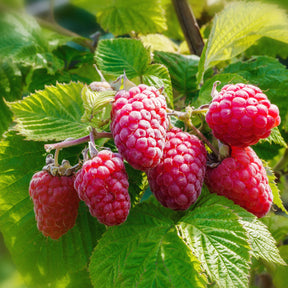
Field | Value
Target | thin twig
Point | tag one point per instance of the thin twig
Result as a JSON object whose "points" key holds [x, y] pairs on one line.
{"points": [[74, 142]]}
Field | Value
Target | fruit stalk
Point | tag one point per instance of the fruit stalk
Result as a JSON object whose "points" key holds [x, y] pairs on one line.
{"points": [[74, 142]]}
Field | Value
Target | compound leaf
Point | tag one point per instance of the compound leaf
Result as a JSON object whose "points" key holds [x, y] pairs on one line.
{"points": [[158, 76], [275, 190], [51, 114], [118, 55], [261, 241], [268, 74], [124, 16], [41, 261], [5, 118], [183, 70], [145, 252], [224, 254], [238, 27]]}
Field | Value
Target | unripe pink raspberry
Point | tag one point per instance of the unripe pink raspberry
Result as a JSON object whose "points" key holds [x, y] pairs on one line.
{"points": [[177, 180], [240, 115], [55, 203], [102, 183], [242, 178], [139, 124]]}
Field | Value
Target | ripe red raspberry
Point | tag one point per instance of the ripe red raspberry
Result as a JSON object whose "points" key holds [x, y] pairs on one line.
{"points": [[55, 203], [139, 124], [177, 180], [242, 178], [240, 115], [102, 184]]}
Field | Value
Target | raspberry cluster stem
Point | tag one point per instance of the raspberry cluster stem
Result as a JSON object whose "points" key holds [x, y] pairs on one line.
{"points": [[92, 148], [186, 118], [69, 143]]}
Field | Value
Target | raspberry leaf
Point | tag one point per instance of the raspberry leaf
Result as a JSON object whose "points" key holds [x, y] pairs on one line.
{"points": [[137, 184], [25, 42], [116, 55], [225, 78], [276, 192], [262, 243], [6, 117], [41, 261], [275, 137], [51, 114], [146, 251], [122, 17], [183, 70], [11, 82], [97, 106], [158, 76], [159, 42], [224, 255], [259, 238], [238, 27], [261, 71]]}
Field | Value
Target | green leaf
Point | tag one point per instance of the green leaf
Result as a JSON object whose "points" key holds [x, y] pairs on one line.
{"points": [[275, 191], [224, 254], [145, 252], [137, 184], [225, 78], [279, 273], [268, 74], [97, 106], [158, 76], [238, 27], [275, 137], [5, 118], [52, 114], [23, 40], [260, 239], [263, 47], [174, 30], [21, 36], [124, 16], [183, 70], [11, 82], [159, 42], [277, 225], [116, 55], [41, 261]]}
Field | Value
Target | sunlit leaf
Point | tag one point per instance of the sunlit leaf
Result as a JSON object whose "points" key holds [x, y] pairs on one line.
{"points": [[41, 261], [238, 27], [51, 114], [145, 252], [118, 55]]}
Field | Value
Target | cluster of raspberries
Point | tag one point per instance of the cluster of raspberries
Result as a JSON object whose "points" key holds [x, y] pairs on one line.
{"points": [[239, 116], [174, 161]]}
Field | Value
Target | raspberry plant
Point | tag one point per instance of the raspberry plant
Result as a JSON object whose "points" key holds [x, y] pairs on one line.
{"points": [[159, 184]]}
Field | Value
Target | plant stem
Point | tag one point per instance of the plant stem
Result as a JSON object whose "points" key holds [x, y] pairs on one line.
{"points": [[203, 138], [69, 143], [189, 26], [186, 118]]}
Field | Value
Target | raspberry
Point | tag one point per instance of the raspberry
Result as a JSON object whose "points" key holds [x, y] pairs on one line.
{"points": [[102, 184], [139, 124], [240, 115], [242, 178], [55, 203], [177, 180]]}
